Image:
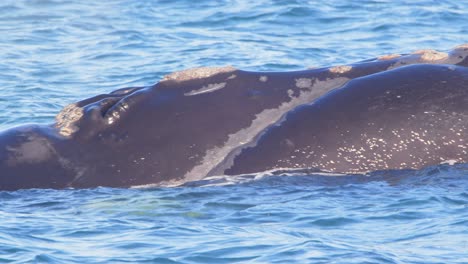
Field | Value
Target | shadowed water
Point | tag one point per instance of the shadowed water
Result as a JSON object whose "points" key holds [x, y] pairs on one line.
{"points": [[57, 52]]}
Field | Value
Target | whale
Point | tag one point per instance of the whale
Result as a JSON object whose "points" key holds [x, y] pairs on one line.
{"points": [[397, 111]]}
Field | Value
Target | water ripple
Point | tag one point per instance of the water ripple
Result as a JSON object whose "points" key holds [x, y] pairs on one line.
{"points": [[55, 52]]}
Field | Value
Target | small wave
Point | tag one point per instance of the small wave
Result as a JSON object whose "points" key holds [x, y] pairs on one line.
{"points": [[429, 175]]}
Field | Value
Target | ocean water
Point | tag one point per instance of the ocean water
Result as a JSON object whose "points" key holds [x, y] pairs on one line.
{"points": [[54, 52]]}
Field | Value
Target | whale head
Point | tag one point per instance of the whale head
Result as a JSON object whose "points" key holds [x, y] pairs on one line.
{"points": [[29, 158]]}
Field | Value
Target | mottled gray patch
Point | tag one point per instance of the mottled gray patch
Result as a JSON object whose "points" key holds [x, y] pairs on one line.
{"points": [[303, 83], [219, 158], [36, 149], [33, 150]]}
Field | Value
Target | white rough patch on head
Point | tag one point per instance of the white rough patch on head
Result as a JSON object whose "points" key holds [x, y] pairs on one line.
{"points": [[219, 158], [304, 83], [431, 55], [232, 76], [197, 73], [33, 150], [389, 57], [207, 89], [340, 69], [457, 55], [462, 46], [65, 121], [263, 78]]}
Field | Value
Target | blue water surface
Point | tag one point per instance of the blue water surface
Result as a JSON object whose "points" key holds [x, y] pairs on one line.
{"points": [[54, 52]]}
